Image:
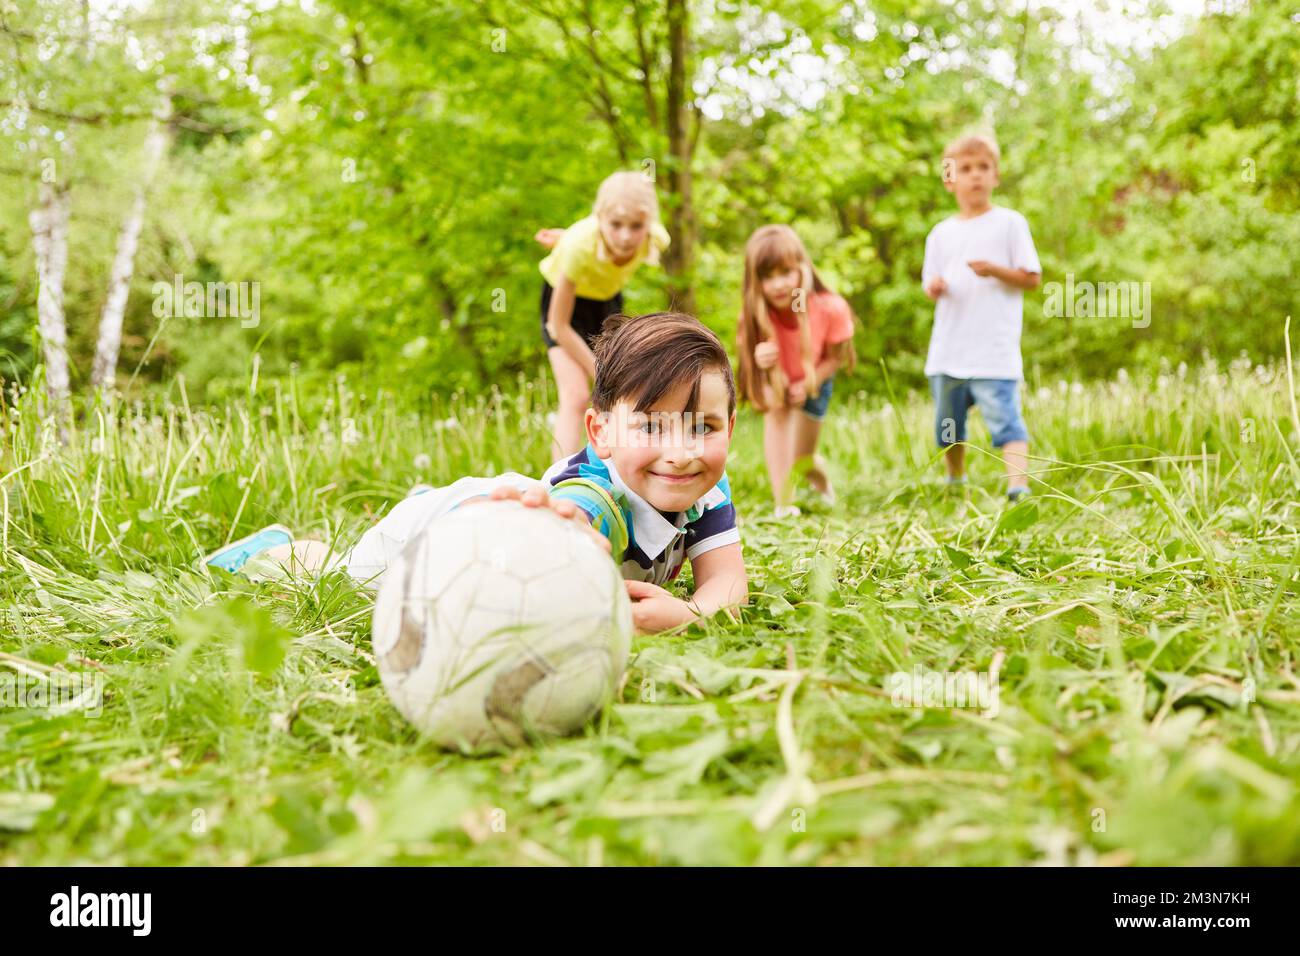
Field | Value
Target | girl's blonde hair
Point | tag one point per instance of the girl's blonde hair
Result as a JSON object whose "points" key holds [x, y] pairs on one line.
{"points": [[768, 249], [635, 189]]}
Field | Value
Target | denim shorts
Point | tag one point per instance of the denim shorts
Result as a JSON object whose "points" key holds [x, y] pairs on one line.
{"points": [[998, 400], [816, 405]]}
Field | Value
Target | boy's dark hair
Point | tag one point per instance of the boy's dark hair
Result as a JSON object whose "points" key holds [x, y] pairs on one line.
{"points": [[641, 359]]}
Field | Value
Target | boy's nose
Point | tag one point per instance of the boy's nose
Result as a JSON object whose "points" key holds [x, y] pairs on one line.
{"points": [[682, 451]]}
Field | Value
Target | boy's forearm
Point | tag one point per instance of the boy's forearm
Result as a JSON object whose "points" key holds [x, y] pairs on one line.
{"points": [[1017, 277], [713, 596]]}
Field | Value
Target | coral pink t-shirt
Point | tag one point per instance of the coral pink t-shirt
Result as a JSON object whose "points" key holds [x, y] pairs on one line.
{"points": [[830, 321]]}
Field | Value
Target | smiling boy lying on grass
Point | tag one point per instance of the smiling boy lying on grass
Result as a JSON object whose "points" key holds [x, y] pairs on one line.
{"points": [[650, 486]]}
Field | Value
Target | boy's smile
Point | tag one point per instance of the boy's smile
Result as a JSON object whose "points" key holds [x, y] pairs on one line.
{"points": [[668, 455]]}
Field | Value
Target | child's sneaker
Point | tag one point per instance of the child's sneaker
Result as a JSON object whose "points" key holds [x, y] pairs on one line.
{"points": [[787, 511], [1017, 494], [418, 490], [235, 555]]}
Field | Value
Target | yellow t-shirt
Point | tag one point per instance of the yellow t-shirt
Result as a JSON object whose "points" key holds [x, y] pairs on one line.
{"points": [[581, 255]]}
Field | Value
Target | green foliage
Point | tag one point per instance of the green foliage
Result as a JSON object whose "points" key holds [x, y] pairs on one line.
{"points": [[379, 169], [1141, 610]]}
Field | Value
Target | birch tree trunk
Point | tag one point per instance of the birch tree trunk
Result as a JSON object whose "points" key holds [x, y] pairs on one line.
{"points": [[679, 257], [104, 373], [49, 222]]}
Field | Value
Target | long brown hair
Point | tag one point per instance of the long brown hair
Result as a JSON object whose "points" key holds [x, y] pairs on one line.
{"points": [[768, 249]]}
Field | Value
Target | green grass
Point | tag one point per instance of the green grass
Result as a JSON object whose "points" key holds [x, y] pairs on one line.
{"points": [[1131, 610]]}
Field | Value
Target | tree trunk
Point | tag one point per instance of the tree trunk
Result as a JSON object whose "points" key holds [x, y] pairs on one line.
{"points": [[119, 283], [679, 259], [49, 222]]}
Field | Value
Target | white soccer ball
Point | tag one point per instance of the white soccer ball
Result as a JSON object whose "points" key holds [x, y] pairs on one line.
{"points": [[500, 623]]}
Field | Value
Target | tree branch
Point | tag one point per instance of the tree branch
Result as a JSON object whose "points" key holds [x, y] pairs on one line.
{"points": [[602, 100], [646, 67]]}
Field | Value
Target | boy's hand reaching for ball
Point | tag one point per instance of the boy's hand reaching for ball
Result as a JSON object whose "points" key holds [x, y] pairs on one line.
{"points": [[766, 354], [936, 287], [540, 498], [655, 610]]}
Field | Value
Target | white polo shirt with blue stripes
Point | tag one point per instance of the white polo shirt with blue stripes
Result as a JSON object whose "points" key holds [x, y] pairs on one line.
{"points": [[654, 544]]}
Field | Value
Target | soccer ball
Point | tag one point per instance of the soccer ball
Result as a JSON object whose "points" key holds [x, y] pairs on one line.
{"points": [[500, 623]]}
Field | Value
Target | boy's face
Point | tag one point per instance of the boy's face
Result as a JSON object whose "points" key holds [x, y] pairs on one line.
{"points": [[668, 456], [624, 229], [970, 176]]}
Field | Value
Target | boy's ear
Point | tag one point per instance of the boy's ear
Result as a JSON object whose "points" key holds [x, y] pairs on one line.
{"points": [[731, 426], [597, 428]]}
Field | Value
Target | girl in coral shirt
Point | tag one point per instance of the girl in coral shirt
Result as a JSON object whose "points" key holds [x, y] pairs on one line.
{"points": [[794, 334]]}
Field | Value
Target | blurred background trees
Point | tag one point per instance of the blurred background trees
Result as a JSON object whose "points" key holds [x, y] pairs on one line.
{"points": [[379, 168]]}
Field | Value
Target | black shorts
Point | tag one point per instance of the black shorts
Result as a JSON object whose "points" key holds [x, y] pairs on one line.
{"points": [[588, 314]]}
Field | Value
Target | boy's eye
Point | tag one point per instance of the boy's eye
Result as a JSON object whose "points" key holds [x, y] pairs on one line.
{"points": [[650, 427], [702, 428]]}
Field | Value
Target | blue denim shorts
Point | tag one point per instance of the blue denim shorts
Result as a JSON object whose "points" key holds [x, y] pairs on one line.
{"points": [[816, 405], [998, 400]]}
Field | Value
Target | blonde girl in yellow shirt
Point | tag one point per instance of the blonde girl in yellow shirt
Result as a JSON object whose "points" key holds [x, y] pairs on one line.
{"points": [[583, 284]]}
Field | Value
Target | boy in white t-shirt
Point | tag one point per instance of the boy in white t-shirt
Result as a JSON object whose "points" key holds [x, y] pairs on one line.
{"points": [[977, 265]]}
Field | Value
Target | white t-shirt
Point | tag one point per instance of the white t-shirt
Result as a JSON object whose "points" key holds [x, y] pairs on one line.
{"points": [[977, 321]]}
